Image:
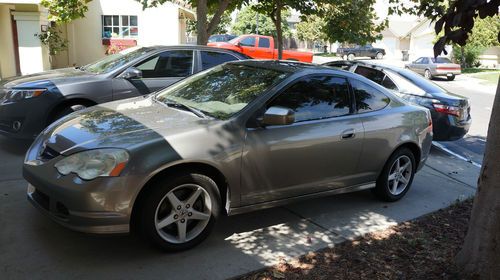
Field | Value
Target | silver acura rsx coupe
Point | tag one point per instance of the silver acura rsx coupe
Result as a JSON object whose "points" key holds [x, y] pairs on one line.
{"points": [[238, 137]]}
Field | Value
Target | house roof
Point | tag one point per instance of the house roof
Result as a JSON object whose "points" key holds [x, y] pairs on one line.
{"points": [[403, 28]]}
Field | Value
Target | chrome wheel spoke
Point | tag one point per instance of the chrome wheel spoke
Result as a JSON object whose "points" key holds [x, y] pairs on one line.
{"points": [[404, 167], [172, 198], [196, 215], [395, 186], [404, 180], [181, 231], [166, 221], [191, 200], [392, 176]]}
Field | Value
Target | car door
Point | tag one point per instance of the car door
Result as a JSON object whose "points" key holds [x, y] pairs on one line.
{"points": [[210, 59], [264, 48], [379, 126], [248, 44], [318, 152], [158, 71]]}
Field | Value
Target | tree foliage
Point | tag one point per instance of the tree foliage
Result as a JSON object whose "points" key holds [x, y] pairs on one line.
{"points": [[274, 9], [311, 29], [222, 28], [205, 25], [62, 11], [246, 23], [352, 21]]}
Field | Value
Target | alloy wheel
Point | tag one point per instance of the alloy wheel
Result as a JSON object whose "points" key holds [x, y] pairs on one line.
{"points": [[427, 74], [183, 213], [399, 175]]}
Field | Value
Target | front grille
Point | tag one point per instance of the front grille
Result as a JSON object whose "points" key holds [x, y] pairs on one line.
{"points": [[48, 153]]}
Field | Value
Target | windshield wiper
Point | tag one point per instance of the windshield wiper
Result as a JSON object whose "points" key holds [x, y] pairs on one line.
{"points": [[174, 104]]}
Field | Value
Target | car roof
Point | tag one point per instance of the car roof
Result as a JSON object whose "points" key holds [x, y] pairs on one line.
{"points": [[194, 47], [290, 66], [413, 77]]}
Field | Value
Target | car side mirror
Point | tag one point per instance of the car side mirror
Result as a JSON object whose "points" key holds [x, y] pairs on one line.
{"points": [[238, 44], [278, 116], [132, 73]]}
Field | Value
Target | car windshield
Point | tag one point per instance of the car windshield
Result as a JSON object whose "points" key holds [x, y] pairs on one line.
{"points": [[440, 60], [114, 61], [222, 91]]}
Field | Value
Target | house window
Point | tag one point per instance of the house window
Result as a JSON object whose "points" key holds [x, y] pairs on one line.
{"points": [[119, 26]]}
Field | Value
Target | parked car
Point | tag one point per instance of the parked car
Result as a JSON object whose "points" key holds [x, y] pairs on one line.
{"points": [[361, 51], [221, 38], [30, 103], [261, 47], [432, 67], [239, 137], [450, 112]]}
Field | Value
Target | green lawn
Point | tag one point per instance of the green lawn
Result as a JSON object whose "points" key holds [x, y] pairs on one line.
{"points": [[490, 78], [478, 70]]}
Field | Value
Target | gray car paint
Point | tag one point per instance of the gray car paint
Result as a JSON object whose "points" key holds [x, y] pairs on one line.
{"points": [[263, 167], [74, 84]]}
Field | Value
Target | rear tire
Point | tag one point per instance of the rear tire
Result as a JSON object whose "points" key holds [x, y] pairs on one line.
{"points": [[344, 57], [379, 55], [450, 78], [180, 211], [397, 176], [427, 74], [351, 56]]}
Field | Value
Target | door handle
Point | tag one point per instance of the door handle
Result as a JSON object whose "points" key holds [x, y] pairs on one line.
{"points": [[347, 134]]}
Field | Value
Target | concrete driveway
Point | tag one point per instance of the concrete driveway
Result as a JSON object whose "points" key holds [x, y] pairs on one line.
{"points": [[34, 247]]}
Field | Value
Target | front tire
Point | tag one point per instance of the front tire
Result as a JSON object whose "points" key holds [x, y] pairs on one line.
{"points": [[450, 78], [66, 110], [180, 211], [397, 176]]}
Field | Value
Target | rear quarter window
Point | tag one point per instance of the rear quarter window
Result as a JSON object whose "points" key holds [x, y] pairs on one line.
{"points": [[367, 97]]}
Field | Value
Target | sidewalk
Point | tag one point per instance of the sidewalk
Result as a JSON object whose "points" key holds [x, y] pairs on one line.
{"points": [[36, 248]]}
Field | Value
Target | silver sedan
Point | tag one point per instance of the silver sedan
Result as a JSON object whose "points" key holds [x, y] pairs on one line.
{"points": [[238, 137], [432, 67]]}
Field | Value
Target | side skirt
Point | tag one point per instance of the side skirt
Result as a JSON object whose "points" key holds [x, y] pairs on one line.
{"points": [[274, 203]]}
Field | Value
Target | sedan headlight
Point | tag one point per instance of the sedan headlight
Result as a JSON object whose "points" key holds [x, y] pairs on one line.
{"points": [[91, 164], [14, 95]]}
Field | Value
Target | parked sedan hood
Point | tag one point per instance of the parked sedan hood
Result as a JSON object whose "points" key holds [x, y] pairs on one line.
{"points": [[124, 124], [55, 76]]}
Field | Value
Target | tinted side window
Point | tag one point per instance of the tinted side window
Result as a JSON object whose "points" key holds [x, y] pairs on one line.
{"points": [[211, 59], [315, 98], [248, 42], [367, 98], [167, 64], [425, 60], [264, 42], [371, 74], [388, 83]]}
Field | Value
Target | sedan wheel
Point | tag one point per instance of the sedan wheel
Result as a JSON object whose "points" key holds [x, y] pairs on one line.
{"points": [[397, 176], [180, 214], [427, 74]]}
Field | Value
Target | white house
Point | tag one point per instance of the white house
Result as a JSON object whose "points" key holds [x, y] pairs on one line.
{"points": [[107, 22]]}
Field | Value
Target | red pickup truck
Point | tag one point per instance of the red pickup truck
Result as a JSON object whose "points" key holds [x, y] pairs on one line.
{"points": [[261, 47]]}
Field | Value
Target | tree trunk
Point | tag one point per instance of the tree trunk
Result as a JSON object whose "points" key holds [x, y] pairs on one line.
{"points": [[201, 19], [480, 254], [279, 32]]}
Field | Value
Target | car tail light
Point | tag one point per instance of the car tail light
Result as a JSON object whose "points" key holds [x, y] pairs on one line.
{"points": [[446, 109]]}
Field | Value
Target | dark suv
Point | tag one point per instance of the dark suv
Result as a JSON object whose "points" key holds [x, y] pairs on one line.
{"points": [[361, 51]]}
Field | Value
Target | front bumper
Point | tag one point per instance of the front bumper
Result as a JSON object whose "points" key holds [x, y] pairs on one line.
{"points": [[99, 206], [22, 120]]}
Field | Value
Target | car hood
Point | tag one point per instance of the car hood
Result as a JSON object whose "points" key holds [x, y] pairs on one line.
{"points": [[58, 76], [122, 124]]}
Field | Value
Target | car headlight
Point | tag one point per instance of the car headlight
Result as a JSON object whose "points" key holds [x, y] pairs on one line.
{"points": [[91, 164], [14, 95]]}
